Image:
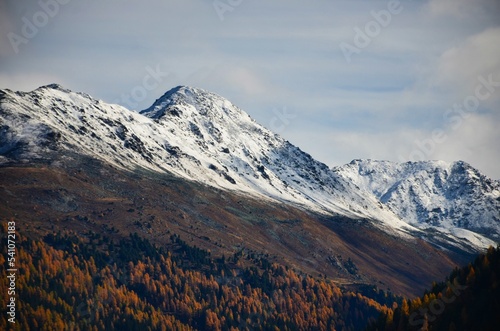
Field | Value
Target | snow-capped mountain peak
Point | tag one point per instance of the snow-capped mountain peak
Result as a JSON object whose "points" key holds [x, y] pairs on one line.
{"points": [[206, 118], [202, 102], [200, 136]]}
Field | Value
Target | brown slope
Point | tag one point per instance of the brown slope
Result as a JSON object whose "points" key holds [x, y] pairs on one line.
{"points": [[85, 194]]}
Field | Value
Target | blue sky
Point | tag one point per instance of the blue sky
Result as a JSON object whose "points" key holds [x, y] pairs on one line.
{"points": [[340, 79]]}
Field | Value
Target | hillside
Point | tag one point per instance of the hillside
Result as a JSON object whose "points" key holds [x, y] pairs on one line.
{"points": [[467, 300], [79, 194], [88, 281]]}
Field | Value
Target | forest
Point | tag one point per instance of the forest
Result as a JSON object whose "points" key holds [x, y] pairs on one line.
{"points": [[70, 281], [87, 281], [469, 299]]}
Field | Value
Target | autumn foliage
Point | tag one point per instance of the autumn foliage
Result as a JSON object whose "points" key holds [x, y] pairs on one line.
{"points": [[88, 282], [469, 299]]}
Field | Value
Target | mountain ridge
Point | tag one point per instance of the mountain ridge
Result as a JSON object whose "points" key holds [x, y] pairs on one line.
{"points": [[432, 193], [199, 136]]}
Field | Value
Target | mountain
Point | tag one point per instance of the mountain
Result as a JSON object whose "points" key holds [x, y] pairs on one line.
{"points": [[200, 136], [195, 165], [188, 132], [452, 198]]}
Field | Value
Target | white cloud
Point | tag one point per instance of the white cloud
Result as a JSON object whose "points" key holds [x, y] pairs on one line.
{"points": [[346, 145], [476, 142], [460, 66]]}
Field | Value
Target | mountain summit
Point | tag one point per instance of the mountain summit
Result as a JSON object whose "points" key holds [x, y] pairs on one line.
{"points": [[202, 137]]}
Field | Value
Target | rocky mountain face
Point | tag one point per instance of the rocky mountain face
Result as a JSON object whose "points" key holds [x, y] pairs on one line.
{"points": [[453, 198], [188, 132], [202, 137]]}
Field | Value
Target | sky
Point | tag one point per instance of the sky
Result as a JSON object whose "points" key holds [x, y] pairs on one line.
{"points": [[390, 80]]}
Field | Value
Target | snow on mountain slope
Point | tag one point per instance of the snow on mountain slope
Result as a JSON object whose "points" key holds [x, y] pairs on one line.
{"points": [[456, 198], [188, 132], [200, 136]]}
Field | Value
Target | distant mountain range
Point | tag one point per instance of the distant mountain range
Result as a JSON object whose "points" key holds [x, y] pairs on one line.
{"points": [[451, 198], [199, 136]]}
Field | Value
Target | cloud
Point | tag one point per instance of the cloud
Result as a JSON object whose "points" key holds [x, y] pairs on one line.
{"points": [[476, 142], [460, 66]]}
